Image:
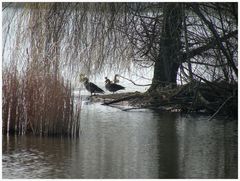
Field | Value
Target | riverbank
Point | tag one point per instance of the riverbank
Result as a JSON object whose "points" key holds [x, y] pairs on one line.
{"points": [[217, 98]]}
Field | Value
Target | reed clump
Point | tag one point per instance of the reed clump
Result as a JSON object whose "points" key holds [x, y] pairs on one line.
{"points": [[38, 103]]}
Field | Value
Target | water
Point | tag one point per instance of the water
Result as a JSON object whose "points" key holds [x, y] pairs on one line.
{"points": [[139, 144]]}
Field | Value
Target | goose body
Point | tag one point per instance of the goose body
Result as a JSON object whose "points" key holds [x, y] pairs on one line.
{"points": [[91, 87], [112, 87]]}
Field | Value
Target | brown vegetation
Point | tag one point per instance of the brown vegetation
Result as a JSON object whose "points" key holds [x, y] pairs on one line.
{"points": [[38, 104]]}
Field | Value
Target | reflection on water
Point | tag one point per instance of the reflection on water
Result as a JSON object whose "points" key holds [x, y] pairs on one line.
{"points": [[118, 144]]}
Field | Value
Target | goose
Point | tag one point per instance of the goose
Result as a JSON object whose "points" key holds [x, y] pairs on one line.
{"points": [[112, 87], [91, 87], [115, 80]]}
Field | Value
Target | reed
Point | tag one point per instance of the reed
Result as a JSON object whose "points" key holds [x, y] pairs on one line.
{"points": [[38, 103], [36, 98]]}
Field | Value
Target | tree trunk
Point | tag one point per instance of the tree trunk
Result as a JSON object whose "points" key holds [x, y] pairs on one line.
{"points": [[166, 67]]}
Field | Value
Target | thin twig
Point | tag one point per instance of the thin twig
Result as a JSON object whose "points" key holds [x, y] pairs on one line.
{"points": [[220, 108]]}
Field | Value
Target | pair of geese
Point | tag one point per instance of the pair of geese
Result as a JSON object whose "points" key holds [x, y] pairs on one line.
{"points": [[110, 86]]}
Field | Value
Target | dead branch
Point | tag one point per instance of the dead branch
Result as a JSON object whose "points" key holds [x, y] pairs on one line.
{"points": [[121, 99]]}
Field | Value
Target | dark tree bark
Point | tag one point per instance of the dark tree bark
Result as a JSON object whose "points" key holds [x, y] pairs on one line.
{"points": [[166, 67]]}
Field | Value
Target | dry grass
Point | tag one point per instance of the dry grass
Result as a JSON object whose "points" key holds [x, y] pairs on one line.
{"points": [[38, 104]]}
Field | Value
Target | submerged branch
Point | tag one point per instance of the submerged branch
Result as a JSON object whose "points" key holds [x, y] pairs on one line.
{"points": [[220, 108]]}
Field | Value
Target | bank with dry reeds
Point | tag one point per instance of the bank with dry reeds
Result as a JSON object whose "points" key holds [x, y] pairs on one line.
{"points": [[38, 103]]}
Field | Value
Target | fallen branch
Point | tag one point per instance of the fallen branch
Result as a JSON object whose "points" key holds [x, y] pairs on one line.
{"points": [[121, 99], [134, 108]]}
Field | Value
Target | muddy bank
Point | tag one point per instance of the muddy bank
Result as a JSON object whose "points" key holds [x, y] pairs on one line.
{"points": [[217, 98]]}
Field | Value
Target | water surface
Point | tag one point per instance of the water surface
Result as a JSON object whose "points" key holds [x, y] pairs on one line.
{"points": [[117, 144]]}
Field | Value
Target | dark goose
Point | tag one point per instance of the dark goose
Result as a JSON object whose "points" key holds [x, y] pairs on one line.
{"points": [[91, 87], [112, 87]]}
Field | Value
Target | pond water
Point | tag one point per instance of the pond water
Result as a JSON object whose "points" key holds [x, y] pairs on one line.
{"points": [[137, 144]]}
